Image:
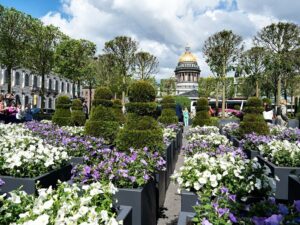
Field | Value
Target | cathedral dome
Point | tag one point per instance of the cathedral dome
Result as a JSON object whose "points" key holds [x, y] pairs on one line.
{"points": [[188, 56]]}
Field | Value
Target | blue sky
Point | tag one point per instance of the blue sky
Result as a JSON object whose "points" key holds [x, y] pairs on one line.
{"points": [[36, 8], [162, 27]]}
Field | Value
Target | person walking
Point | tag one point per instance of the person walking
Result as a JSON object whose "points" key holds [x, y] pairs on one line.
{"points": [[268, 114], [281, 114], [85, 110], [186, 117]]}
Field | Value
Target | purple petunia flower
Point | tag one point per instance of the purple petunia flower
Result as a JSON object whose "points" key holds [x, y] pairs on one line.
{"points": [[222, 211], [86, 170], [274, 220], [232, 197], [297, 205], [2, 182], [283, 209], [205, 222], [232, 218], [224, 190], [258, 220]]}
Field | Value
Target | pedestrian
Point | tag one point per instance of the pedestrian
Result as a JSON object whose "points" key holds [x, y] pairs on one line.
{"points": [[268, 114], [28, 113], [186, 117], [85, 110], [19, 114], [281, 114]]}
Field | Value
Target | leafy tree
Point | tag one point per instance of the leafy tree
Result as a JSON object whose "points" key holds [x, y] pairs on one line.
{"points": [[183, 101], [72, 59], [207, 86], [280, 39], [222, 51], [254, 66], [145, 65], [122, 50], [167, 86], [40, 51], [13, 39]]}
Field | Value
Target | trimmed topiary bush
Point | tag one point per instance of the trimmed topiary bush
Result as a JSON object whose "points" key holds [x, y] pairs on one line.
{"points": [[102, 121], [141, 129], [168, 115], [253, 120], [117, 111], [202, 117], [77, 114], [62, 115]]}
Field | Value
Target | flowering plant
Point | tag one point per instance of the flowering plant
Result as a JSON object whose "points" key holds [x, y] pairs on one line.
{"points": [[276, 129], [13, 130], [212, 140], [28, 156], [206, 174], [252, 141], [74, 131], [169, 134], [230, 129], [69, 204], [133, 169], [282, 153], [290, 134], [205, 130], [76, 146]]}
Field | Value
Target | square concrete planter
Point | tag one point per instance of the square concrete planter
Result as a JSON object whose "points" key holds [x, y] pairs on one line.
{"points": [[188, 200], [143, 203], [125, 215], [169, 163], [29, 184], [160, 180], [294, 188], [235, 141], [185, 218], [76, 161], [175, 155], [282, 173]]}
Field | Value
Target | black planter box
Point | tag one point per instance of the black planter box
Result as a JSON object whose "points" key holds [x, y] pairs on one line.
{"points": [[251, 154], [235, 141], [143, 203], [125, 215], [294, 188], [188, 200], [185, 218], [293, 123], [160, 179], [29, 184], [169, 164], [175, 155], [282, 185], [76, 161]]}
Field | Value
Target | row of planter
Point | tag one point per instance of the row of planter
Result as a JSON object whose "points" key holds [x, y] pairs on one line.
{"points": [[140, 204]]}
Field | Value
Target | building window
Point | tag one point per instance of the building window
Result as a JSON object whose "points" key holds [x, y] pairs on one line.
{"points": [[5, 77], [50, 84], [26, 80], [18, 100], [35, 81], [17, 78], [62, 86], [50, 103], [56, 85], [26, 100], [68, 87]]}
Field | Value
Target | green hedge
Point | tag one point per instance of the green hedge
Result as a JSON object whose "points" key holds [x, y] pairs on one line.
{"points": [[141, 91], [103, 93], [202, 117], [141, 108], [77, 115], [62, 115], [253, 120], [168, 116]]}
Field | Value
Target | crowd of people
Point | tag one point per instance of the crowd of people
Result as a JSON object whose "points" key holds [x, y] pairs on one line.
{"points": [[12, 112]]}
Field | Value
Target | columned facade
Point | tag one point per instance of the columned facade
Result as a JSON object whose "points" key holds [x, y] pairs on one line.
{"points": [[187, 73]]}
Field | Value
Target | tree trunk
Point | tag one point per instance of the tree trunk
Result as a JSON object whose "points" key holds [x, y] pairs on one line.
{"points": [[224, 91], [73, 91], [257, 89], [217, 99], [78, 89], [123, 94], [90, 96], [42, 93], [8, 79], [278, 90]]}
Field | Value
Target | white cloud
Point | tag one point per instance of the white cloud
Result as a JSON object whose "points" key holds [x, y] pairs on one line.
{"points": [[165, 27]]}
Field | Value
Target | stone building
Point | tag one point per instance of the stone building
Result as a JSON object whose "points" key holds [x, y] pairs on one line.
{"points": [[26, 87], [187, 73]]}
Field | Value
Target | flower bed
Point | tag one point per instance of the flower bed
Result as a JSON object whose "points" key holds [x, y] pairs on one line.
{"points": [[69, 204]]}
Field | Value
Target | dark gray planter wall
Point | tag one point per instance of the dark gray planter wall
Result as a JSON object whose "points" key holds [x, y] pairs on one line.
{"points": [[169, 164], [76, 161], [294, 188], [251, 154], [235, 141], [125, 215], [29, 184], [282, 185], [188, 200], [293, 123], [161, 189], [143, 203], [185, 218]]}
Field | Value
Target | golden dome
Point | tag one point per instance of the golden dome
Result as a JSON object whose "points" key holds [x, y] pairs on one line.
{"points": [[187, 56]]}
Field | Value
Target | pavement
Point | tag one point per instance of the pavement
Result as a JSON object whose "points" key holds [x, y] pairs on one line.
{"points": [[170, 211]]}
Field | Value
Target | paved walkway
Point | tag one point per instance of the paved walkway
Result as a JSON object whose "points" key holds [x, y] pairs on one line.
{"points": [[170, 212]]}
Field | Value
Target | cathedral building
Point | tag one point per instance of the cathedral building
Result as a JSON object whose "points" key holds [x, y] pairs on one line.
{"points": [[187, 74]]}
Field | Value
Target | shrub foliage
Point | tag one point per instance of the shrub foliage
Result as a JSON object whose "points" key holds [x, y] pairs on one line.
{"points": [[62, 115]]}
